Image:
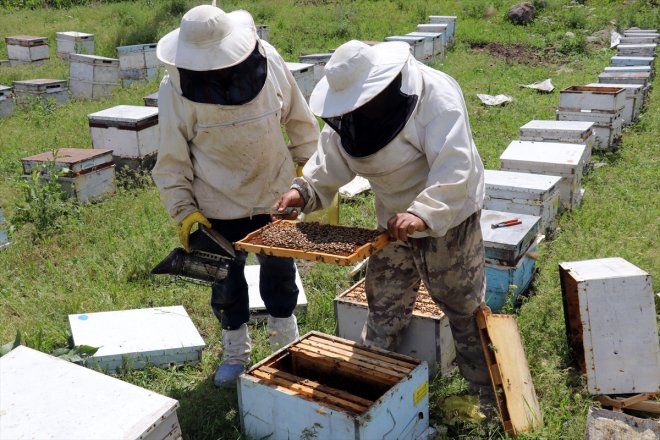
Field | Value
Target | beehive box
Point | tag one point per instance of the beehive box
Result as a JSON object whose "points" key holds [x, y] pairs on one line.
{"points": [[515, 395], [5, 63], [340, 245], [319, 60], [4, 240], [632, 61], [427, 337], [304, 76], [92, 76], [642, 78], [417, 47], [434, 42], [137, 62], [151, 100], [524, 193], [635, 31], [619, 69], [603, 424], [45, 397], [607, 126], [160, 336], [337, 389], [7, 105], [505, 246], [636, 50], [550, 158], [450, 21], [27, 49], [86, 174], [130, 131], [41, 90], [74, 42], [634, 100], [507, 283], [570, 132], [611, 325], [642, 39], [263, 32], [435, 27], [257, 307], [574, 98]]}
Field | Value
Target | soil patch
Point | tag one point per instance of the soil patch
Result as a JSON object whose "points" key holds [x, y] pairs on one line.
{"points": [[516, 53]]}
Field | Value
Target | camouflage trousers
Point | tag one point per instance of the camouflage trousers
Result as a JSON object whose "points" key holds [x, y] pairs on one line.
{"points": [[452, 268]]}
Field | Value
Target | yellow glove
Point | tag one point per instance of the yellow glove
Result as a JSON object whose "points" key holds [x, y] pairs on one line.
{"points": [[186, 225], [299, 168]]}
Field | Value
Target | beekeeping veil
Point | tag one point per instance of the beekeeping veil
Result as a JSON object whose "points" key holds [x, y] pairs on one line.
{"points": [[363, 95], [217, 54]]}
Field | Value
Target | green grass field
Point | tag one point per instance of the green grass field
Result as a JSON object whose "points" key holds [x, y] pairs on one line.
{"points": [[97, 257]]}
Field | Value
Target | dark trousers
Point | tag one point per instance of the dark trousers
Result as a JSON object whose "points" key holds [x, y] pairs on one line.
{"points": [[277, 279]]}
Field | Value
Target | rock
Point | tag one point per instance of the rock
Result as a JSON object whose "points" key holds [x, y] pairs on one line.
{"points": [[570, 34], [522, 13]]}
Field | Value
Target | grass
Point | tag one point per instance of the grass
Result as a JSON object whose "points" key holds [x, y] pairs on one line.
{"points": [[100, 258]]}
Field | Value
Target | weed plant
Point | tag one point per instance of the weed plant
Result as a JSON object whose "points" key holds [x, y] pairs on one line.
{"points": [[100, 259]]}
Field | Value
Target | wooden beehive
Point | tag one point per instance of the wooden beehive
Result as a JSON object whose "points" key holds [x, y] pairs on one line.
{"points": [[578, 98], [337, 389], [27, 49], [86, 174], [427, 337], [151, 100], [524, 193], [130, 131], [638, 50], [41, 90], [642, 39], [7, 105], [304, 76], [514, 390], [436, 27], [160, 336], [634, 100], [92, 76], [74, 42], [632, 61], [253, 242], [319, 61], [550, 158], [137, 62], [434, 42], [569, 132], [611, 325], [607, 126], [45, 397], [257, 307], [642, 78], [450, 21], [419, 50], [263, 32], [505, 246]]}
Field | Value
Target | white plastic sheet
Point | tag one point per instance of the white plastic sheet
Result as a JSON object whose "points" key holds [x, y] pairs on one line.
{"points": [[542, 86], [494, 100]]}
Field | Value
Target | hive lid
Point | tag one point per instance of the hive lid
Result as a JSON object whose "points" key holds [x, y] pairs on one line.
{"points": [[40, 82], [4, 89], [527, 182], [507, 245], [45, 397], [26, 40], [73, 35], [547, 155], [257, 305], [92, 59], [124, 116], [572, 126], [137, 48], [602, 268], [75, 160], [298, 66]]}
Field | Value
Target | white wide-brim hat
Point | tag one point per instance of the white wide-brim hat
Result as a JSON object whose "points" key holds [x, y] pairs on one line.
{"points": [[355, 74], [209, 39]]}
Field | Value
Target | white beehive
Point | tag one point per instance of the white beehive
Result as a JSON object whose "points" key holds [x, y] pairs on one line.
{"points": [[151, 100], [74, 42], [611, 325], [336, 389], [607, 126], [160, 336], [319, 60], [304, 76], [450, 21], [263, 32], [642, 78], [427, 337], [7, 105], [137, 62], [571, 132], [435, 27], [632, 61], [505, 246], [5, 63], [635, 31], [131, 131], [42, 396], [577, 98], [636, 50], [27, 49], [555, 159], [641, 39], [628, 69], [41, 90], [417, 47], [524, 193], [86, 174], [257, 306], [634, 100], [434, 42], [92, 76], [4, 240]]}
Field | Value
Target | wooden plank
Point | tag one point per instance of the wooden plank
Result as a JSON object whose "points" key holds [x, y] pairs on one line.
{"points": [[521, 400], [400, 359], [373, 369], [358, 354], [313, 384], [359, 371], [493, 371], [360, 253], [639, 402]]}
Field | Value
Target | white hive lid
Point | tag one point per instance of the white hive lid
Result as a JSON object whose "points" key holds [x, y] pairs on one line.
{"points": [[577, 126], [602, 268], [530, 182]]}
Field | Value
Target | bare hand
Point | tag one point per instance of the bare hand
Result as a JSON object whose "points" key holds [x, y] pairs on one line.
{"points": [[403, 224], [289, 198]]}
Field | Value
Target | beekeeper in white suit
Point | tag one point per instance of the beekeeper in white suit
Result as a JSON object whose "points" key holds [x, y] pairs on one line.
{"points": [[221, 106], [404, 126]]}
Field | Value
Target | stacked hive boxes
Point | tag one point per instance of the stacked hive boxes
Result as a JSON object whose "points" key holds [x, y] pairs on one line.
{"points": [[137, 62], [7, 104], [419, 49], [304, 76], [92, 76], [41, 91], [74, 42], [22, 49]]}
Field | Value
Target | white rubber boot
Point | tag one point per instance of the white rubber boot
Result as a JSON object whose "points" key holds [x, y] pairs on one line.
{"points": [[236, 346], [282, 331]]}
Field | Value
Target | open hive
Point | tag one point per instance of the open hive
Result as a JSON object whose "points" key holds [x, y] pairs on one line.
{"points": [[423, 304], [341, 245], [336, 387]]}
